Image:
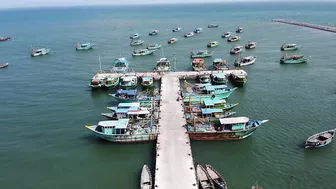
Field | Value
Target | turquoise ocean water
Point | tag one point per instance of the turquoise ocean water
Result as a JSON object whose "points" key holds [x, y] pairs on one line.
{"points": [[46, 101]]}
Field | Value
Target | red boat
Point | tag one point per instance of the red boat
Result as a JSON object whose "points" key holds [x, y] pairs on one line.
{"points": [[5, 38], [4, 65]]}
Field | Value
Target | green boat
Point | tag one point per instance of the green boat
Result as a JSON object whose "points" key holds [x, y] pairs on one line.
{"points": [[126, 96], [209, 103], [219, 78], [294, 59], [109, 82], [128, 81], [289, 47], [212, 44], [200, 54], [147, 81], [142, 52], [84, 46]]}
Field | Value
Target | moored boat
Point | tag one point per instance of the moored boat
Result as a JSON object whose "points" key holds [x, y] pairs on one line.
{"points": [[134, 112], [128, 81], [163, 65], [251, 45], [216, 177], [198, 30], [203, 178], [177, 29], [220, 64], [222, 104], [172, 40], [294, 59], [121, 131], [84, 46], [204, 78], [238, 78], [4, 65], [212, 44], [131, 96], [226, 35], [200, 54], [147, 81], [245, 61], [135, 36], [213, 26], [146, 181], [110, 82], [233, 39], [142, 52], [198, 64], [154, 32], [153, 46], [239, 30], [120, 65], [137, 42], [219, 78], [320, 139], [236, 49], [189, 34], [39, 52], [5, 38], [289, 47]]}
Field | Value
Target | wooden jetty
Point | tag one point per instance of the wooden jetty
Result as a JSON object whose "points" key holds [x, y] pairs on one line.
{"points": [[308, 25]]}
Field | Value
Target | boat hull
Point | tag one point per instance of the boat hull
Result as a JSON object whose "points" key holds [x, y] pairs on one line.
{"points": [[128, 139], [293, 61], [239, 135]]}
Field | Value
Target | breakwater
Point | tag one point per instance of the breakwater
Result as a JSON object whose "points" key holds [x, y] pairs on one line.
{"points": [[307, 25]]}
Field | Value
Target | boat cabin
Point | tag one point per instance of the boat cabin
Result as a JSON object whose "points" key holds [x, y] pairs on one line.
{"points": [[213, 103], [211, 112], [117, 127], [215, 89], [132, 113], [233, 124], [129, 94], [126, 106], [219, 78], [128, 80], [147, 80]]}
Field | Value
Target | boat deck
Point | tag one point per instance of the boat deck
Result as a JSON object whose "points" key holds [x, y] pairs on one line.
{"points": [[308, 25], [174, 162]]}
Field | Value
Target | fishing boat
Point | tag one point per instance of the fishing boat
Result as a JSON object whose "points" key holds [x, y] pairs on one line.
{"points": [[238, 78], [208, 93], [213, 26], [5, 38], [220, 64], [198, 64], [128, 81], [137, 42], [198, 30], [239, 30], [39, 52], [236, 49], [153, 46], [4, 65], [201, 98], [245, 61], [251, 45], [84, 46], [121, 131], [120, 65], [147, 81], [143, 52], [209, 113], [146, 181], [134, 112], [131, 96], [219, 78], [189, 34], [154, 32], [256, 186], [135, 36], [204, 78], [226, 35], [110, 82], [320, 139], [294, 59], [235, 128], [163, 65], [216, 177], [289, 47], [203, 178], [172, 40], [212, 44], [125, 106], [217, 89], [200, 54], [233, 39], [209, 103], [177, 29]]}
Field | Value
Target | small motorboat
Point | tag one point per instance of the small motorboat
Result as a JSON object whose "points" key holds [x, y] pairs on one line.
{"points": [[320, 139], [154, 32], [245, 61], [39, 52], [226, 35], [204, 78], [5, 38], [294, 59], [203, 178], [213, 26], [135, 36], [233, 39], [236, 49], [251, 45], [238, 77], [200, 54], [4, 65], [84, 46], [137, 42], [142, 52], [239, 30], [289, 47], [177, 29], [146, 181], [153, 46], [198, 30], [189, 34], [220, 64], [216, 177], [172, 40], [212, 44]]}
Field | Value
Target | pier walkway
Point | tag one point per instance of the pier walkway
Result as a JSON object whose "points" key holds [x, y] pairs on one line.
{"points": [[174, 162], [304, 24]]}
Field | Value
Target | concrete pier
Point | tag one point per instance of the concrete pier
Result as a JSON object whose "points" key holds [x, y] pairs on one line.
{"points": [[308, 25]]}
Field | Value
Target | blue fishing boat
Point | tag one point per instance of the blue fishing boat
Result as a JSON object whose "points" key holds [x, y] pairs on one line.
{"points": [[128, 81], [121, 131], [131, 96], [120, 65], [320, 139], [219, 78], [84, 46]]}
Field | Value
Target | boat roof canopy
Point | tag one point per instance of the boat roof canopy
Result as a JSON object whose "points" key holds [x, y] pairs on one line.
{"points": [[218, 60], [130, 104], [214, 87], [211, 110], [127, 92], [234, 120], [209, 102], [147, 78], [220, 75], [117, 124]]}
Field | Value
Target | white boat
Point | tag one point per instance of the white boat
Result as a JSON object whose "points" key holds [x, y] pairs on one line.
{"points": [[146, 178], [172, 40], [135, 36], [137, 42], [233, 39], [142, 52], [163, 65], [154, 32], [226, 35], [245, 61], [236, 49], [153, 46], [198, 30], [189, 34], [177, 29], [39, 52]]}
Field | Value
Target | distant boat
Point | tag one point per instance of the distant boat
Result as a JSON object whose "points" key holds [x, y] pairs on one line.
{"points": [[233, 39], [204, 78], [251, 45], [213, 26], [255, 186], [220, 64], [147, 81], [219, 78], [137, 42], [294, 59], [5, 38], [146, 178], [189, 34], [4, 65], [226, 35], [320, 139], [238, 77], [154, 32], [236, 49], [239, 30], [131, 96], [120, 65], [172, 40], [133, 112], [216, 177], [142, 52], [212, 44], [203, 178], [153, 46], [200, 54], [198, 64], [84, 46], [110, 82], [135, 36], [198, 30], [289, 47], [163, 65], [177, 29], [39, 52], [245, 61], [128, 81]]}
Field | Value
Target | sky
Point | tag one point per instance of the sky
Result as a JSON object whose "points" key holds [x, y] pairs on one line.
{"points": [[50, 3]]}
